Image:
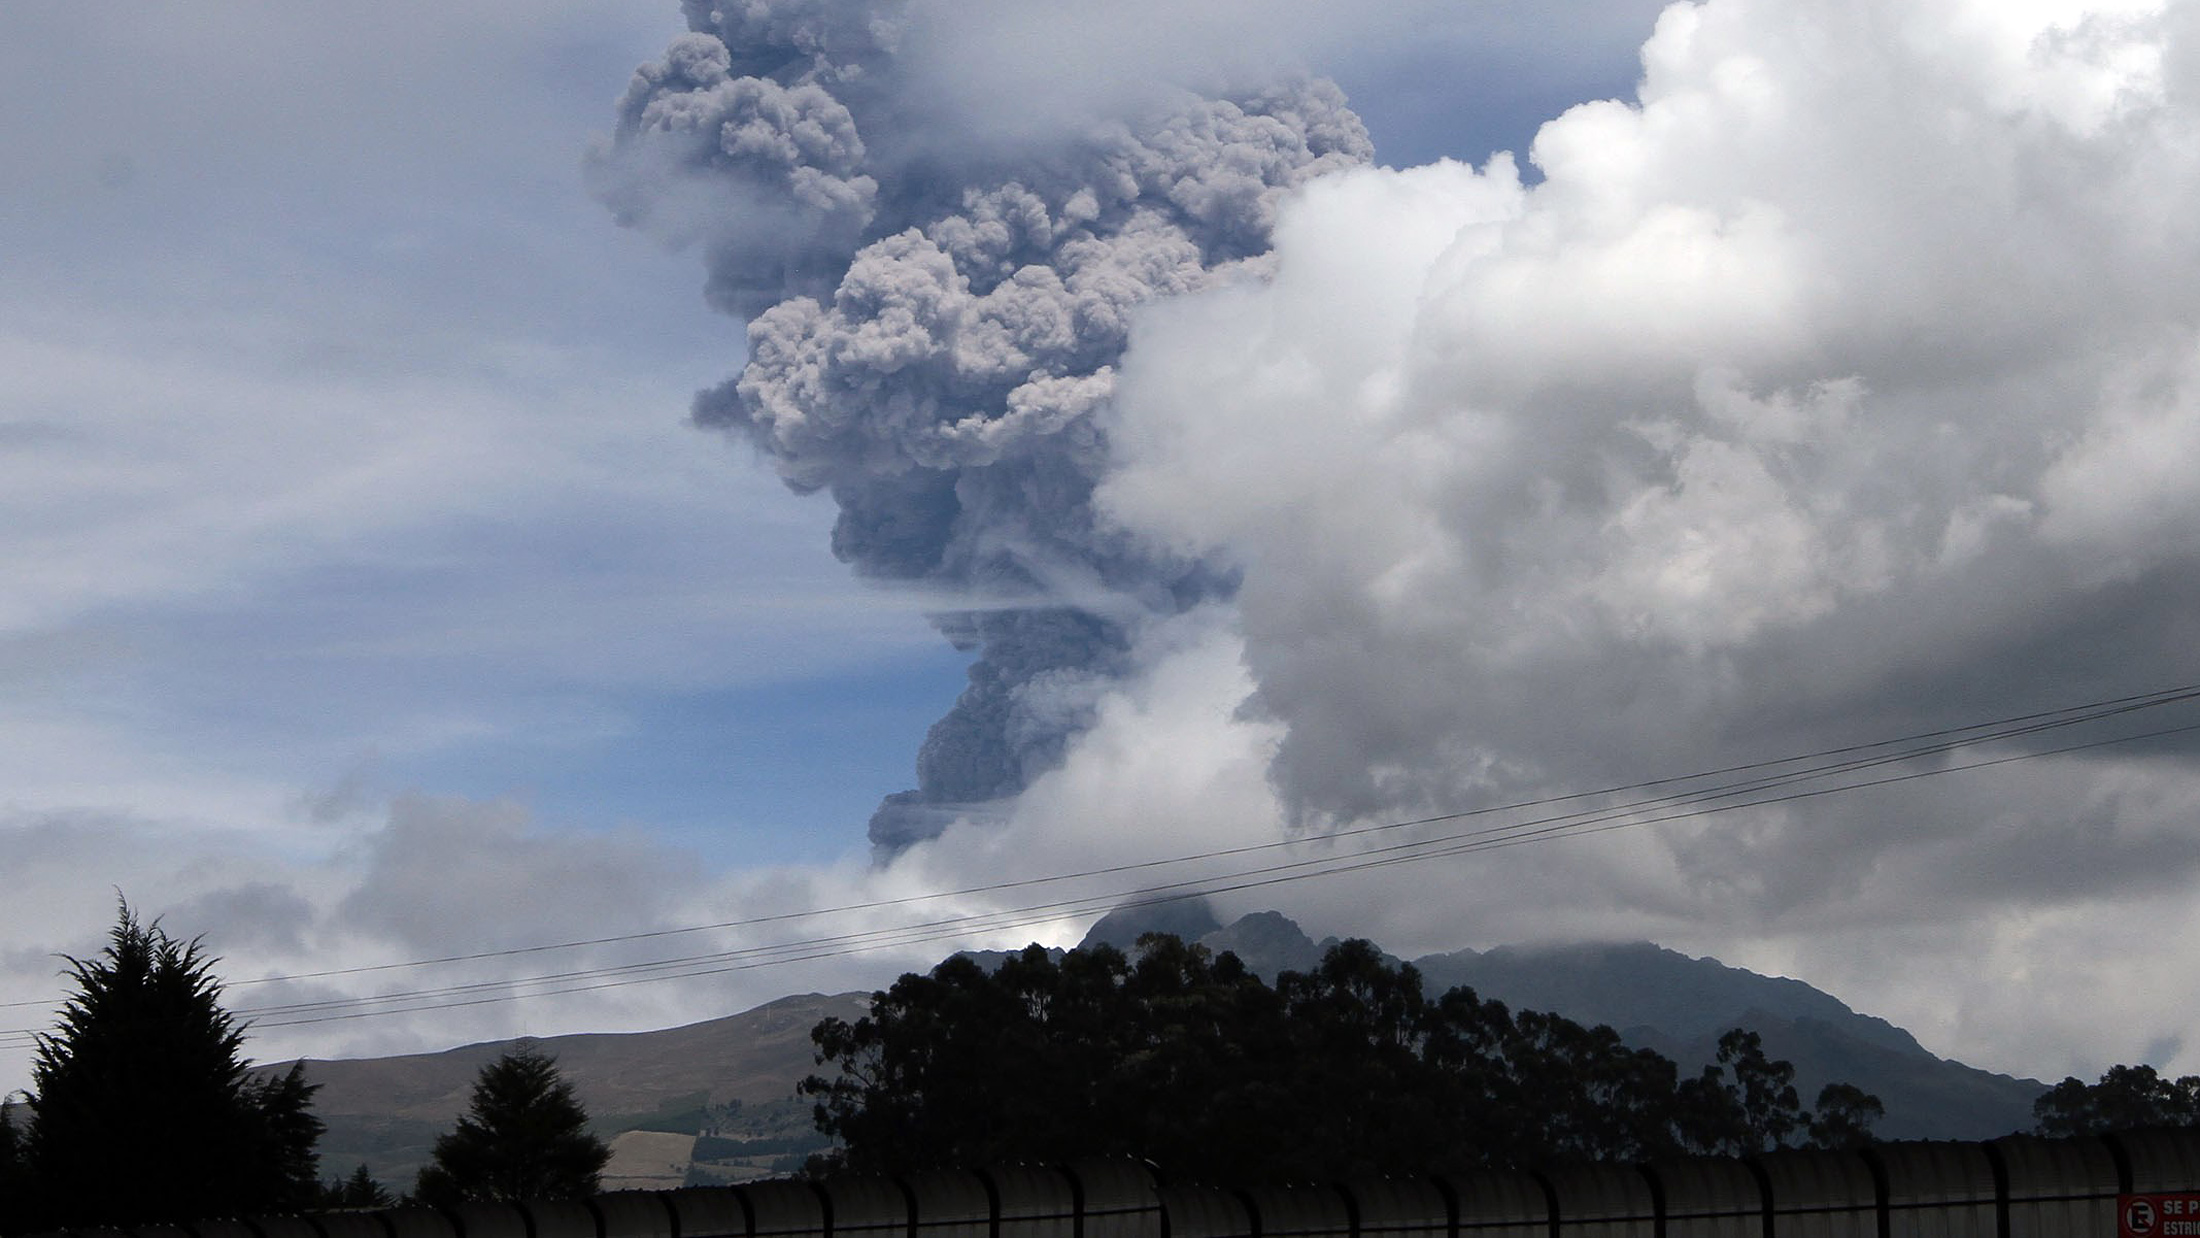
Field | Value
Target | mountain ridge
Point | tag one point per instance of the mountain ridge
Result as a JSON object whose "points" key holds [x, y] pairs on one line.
{"points": [[732, 1078], [1677, 1005]]}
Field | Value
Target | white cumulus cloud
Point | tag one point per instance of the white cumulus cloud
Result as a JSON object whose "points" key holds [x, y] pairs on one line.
{"points": [[1838, 387]]}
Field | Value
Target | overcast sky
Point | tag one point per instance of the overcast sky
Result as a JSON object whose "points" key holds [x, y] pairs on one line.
{"points": [[369, 595]]}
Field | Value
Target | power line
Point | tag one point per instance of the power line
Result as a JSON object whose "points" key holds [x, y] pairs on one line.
{"points": [[773, 955], [1997, 729], [777, 953], [1683, 804]]}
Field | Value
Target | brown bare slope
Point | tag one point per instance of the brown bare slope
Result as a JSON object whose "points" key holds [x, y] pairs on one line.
{"points": [[386, 1112], [750, 1057]]}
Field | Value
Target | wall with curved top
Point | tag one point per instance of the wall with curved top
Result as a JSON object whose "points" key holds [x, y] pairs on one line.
{"points": [[2017, 1187]]}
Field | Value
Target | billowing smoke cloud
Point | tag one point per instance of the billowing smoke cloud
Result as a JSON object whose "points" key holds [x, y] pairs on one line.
{"points": [[937, 301]]}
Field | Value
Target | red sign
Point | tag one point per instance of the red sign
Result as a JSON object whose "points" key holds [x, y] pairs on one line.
{"points": [[2175, 1215]]}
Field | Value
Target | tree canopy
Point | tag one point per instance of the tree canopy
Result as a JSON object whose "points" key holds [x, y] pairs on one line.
{"points": [[360, 1190], [144, 1056], [1189, 1059], [2126, 1098], [523, 1137], [14, 1180]]}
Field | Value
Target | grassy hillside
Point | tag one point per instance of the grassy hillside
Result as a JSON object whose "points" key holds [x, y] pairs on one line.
{"points": [[732, 1078]]}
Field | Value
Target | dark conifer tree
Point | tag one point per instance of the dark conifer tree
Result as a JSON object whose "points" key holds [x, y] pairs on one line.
{"points": [[145, 1057], [523, 1137], [14, 1186], [360, 1190]]}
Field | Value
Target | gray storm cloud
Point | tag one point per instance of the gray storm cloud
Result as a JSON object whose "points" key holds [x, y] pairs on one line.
{"points": [[937, 297]]}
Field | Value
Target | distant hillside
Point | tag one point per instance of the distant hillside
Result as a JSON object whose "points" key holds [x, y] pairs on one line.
{"points": [[733, 1077], [1927, 1097], [1678, 1005], [731, 1081], [1638, 983], [1664, 1000]]}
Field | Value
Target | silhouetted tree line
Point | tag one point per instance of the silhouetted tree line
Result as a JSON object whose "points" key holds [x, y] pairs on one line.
{"points": [[143, 1110], [1351, 1069], [2126, 1098]]}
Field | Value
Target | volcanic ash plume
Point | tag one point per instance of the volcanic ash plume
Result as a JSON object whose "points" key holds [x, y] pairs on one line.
{"points": [[936, 300]]}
